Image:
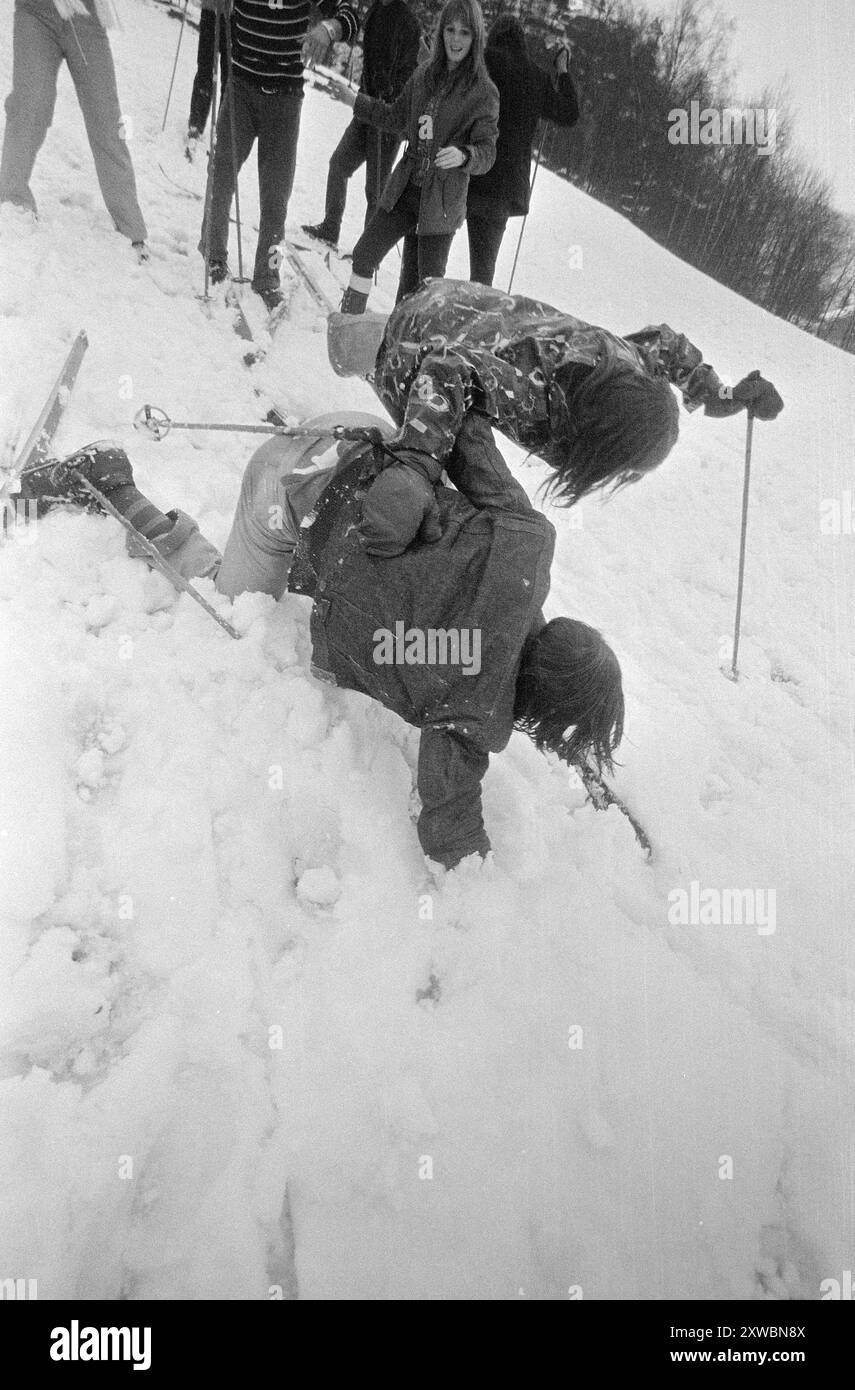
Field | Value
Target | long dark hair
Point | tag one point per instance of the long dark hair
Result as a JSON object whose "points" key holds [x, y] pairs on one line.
{"points": [[569, 694], [468, 12], [609, 423]]}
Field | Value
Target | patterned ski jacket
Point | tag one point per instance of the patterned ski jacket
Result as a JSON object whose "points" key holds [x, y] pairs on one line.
{"points": [[454, 346], [463, 115]]}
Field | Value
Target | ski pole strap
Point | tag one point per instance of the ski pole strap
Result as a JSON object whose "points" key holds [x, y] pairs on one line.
{"points": [[176, 580]]}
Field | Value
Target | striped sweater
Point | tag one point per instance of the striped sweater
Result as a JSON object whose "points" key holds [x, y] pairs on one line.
{"points": [[267, 37]]}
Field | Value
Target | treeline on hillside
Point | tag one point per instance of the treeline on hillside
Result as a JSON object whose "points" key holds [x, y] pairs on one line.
{"points": [[753, 214]]}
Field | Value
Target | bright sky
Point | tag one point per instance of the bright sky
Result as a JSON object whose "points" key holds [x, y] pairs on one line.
{"points": [[812, 42]]}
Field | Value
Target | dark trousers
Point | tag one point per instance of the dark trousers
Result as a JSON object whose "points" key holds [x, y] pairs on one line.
{"points": [[203, 82], [273, 119], [360, 144], [423, 255], [485, 240]]}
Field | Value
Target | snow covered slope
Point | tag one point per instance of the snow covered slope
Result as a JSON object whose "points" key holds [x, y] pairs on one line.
{"points": [[217, 1079]]}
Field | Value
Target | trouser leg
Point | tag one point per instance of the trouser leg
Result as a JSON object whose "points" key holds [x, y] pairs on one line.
{"points": [[90, 63], [346, 158], [203, 82], [37, 54], [223, 187], [485, 240], [384, 229], [423, 256], [381, 149], [278, 131]]}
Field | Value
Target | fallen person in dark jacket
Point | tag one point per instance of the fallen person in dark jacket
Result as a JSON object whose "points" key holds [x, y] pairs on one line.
{"points": [[450, 635]]}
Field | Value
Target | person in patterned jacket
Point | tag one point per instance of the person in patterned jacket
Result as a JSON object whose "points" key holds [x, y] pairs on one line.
{"points": [[597, 408]]}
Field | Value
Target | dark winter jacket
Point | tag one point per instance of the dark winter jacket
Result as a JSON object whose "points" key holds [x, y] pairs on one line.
{"points": [[466, 116], [488, 574], [455, 346], [390, 49], [527, 95]]}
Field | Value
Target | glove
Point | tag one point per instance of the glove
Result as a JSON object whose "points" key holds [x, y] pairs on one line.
{"points": [[759, 396], [399, 507]]}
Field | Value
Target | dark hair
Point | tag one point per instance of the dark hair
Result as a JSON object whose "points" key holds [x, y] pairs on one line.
{"points": [[507, 32], [472, 67], [569, 695], [610, 424]]}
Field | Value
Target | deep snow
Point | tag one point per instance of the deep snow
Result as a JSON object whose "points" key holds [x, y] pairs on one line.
{"points": [[218, 1081]]}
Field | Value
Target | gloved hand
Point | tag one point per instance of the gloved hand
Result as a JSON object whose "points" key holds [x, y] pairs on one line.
{"points": [[399, 507], [759, 396]]}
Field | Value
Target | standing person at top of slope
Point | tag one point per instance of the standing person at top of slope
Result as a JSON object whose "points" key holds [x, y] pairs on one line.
{"points": [[598, 409], [269, 45], [527, 95], [46, 32], [390, 50], [449, 112], [203, 82]]}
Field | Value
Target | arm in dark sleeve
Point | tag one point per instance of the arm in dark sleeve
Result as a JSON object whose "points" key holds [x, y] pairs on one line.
{"points": [[407, 56], [345, 14], [477, 469], [681, 362], [559, 100], [386, 115], [451, 825]]}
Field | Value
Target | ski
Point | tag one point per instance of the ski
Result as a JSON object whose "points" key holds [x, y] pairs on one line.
{"points": [[41, 436], [311, 275]]}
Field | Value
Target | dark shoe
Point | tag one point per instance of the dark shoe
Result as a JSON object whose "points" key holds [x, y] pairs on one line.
{"points": [[322, 233], [353, 301], [218, 271]]}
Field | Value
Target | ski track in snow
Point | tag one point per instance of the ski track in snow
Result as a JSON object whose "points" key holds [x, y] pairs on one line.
{"points": [[218, 1080]]}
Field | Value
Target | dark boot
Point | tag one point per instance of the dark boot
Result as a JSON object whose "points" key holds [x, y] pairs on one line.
{"points": [[321, 232], [107, 467]]}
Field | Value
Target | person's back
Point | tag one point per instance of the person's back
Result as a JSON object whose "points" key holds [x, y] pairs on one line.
{"points": [[458, 610]]}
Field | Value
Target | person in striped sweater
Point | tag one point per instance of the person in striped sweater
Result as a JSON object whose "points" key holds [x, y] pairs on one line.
{"points": [[271, 41]]}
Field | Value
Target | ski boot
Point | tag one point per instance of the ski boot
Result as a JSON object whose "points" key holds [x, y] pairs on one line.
{"points": [[53, 483]]}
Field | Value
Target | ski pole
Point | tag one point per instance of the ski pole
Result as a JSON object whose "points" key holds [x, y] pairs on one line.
{"points": [[212, 146], [175, 65], [530, 192], [154, 421], [749, 436], [230, 97], [176, 580]]}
